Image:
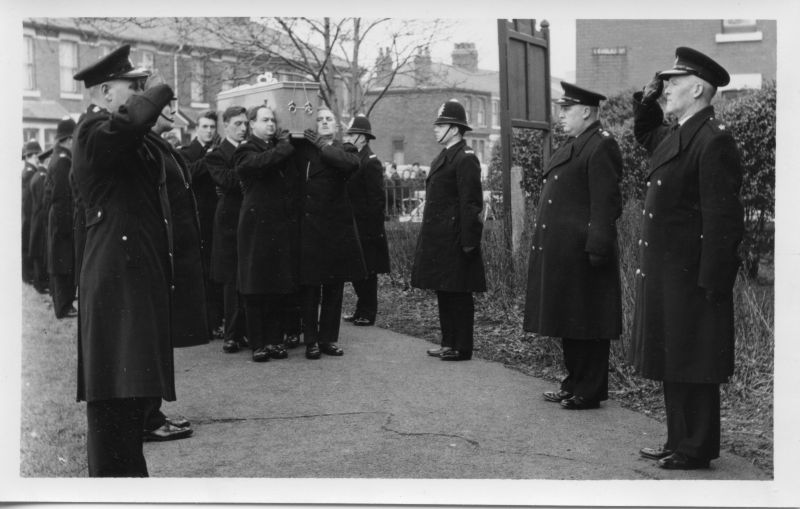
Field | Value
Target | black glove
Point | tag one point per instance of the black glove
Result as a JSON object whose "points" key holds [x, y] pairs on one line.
{"points": [[282, 135], [652, 91], [159, 95], [597, 260]]}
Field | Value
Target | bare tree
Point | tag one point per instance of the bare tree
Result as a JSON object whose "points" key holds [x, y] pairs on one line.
{"points": [[329, 51]]}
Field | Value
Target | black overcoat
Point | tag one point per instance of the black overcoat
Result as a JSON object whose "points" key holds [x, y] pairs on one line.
{"points": [[60, 240], [205, 193], [368, 196], [78, 224], [269, 230], [27, 174], [124, 345], [329, 246], [451, 221], [37, 240], [188, 320], [226, 218], [580, 202], [692, 223]]}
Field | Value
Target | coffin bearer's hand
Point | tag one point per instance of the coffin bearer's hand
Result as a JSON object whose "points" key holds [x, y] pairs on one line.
{"points": [[282, 135]]}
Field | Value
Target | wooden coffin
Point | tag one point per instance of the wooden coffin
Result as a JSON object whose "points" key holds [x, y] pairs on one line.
{"points": [[295, 103]]}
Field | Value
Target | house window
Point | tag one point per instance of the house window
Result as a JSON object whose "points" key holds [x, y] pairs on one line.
{"points": [[468, 107], [148, 60], [68, 63], [198, 80], [495, 112], [227, 77], [481, 116], [30, 133], [398, 148], [28, 73]]}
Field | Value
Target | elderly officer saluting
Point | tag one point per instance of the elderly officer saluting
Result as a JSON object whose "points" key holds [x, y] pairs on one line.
{"points": [[692, 224], [573, 275], [124, 347]]}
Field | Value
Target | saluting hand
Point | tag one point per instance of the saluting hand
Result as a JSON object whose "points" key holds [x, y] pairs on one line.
{"points": [[652, 91], [282, 135]]}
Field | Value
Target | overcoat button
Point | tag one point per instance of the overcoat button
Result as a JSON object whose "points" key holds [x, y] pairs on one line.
{"points": [[643, 212], [556, 177], [99, 213], [651, 215], [549, 201], [659, 182], [638, 271], [124, 237], [640, 242], [648, 183]]}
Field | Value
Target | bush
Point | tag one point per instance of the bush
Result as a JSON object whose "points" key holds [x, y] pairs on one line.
{"points": [[751, 119]]}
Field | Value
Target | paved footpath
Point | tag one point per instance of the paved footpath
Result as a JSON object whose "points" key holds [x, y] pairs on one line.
{"points": [[387, 410]]}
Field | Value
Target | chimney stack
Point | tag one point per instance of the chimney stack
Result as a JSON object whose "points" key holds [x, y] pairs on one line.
{"points": [[465, 56]]}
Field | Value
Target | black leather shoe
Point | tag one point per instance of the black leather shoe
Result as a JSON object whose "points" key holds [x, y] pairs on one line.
{"points": [[331, 349], [350, 318], [167, 432], [362, 322], [456, 355], [579, 403], [230, 346], [680, 461], [654, 453], [557, 397], [276, 351], [292, 340], [71, 313], [260, 355], [437, 352], [312, 351]]}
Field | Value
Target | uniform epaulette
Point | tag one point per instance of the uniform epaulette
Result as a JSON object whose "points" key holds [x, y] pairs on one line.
{"points": [[62, 154], [604, 132], [373, 156], [716, 124], [469, 151]]}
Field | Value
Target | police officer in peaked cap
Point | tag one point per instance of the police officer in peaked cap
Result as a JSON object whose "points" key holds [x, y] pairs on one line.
{"points": [[448, 253], [368, 197], [125, 358], [573, 289], [692, 224]]}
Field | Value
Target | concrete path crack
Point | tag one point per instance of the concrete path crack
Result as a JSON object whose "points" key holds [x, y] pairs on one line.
{"points": [[280, 417], [389, 417]]}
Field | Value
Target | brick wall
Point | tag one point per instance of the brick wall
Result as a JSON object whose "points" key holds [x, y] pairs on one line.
{"points": [[650, 47]]}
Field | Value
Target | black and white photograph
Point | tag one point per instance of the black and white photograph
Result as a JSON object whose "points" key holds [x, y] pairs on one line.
{"points": [[434, 254]]}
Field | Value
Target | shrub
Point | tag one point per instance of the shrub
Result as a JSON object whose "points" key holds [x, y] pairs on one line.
{"points": [[751, 119]]}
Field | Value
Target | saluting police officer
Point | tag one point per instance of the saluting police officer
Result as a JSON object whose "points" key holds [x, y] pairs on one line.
{"points": [[125, 358], [368, 196], [573, 274], [692, 223], [60, 241], [448, 253]]}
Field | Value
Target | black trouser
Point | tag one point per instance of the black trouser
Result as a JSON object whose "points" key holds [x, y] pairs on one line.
{"points": [[234, 312], [265, 314], [154, 418], [292, 321], [27, 267], [41, 280], [367, 293], [456, 317], [214, 304], [693, 423], [322, 309], [62, 289], [114, 437], [586, 361]]}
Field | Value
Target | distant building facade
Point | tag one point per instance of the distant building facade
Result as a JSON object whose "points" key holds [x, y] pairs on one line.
{"points": [[55, 49], [402, 120], [618, 54]]}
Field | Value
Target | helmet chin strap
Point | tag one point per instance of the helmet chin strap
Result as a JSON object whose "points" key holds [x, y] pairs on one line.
{"points": [[449, 126]]}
